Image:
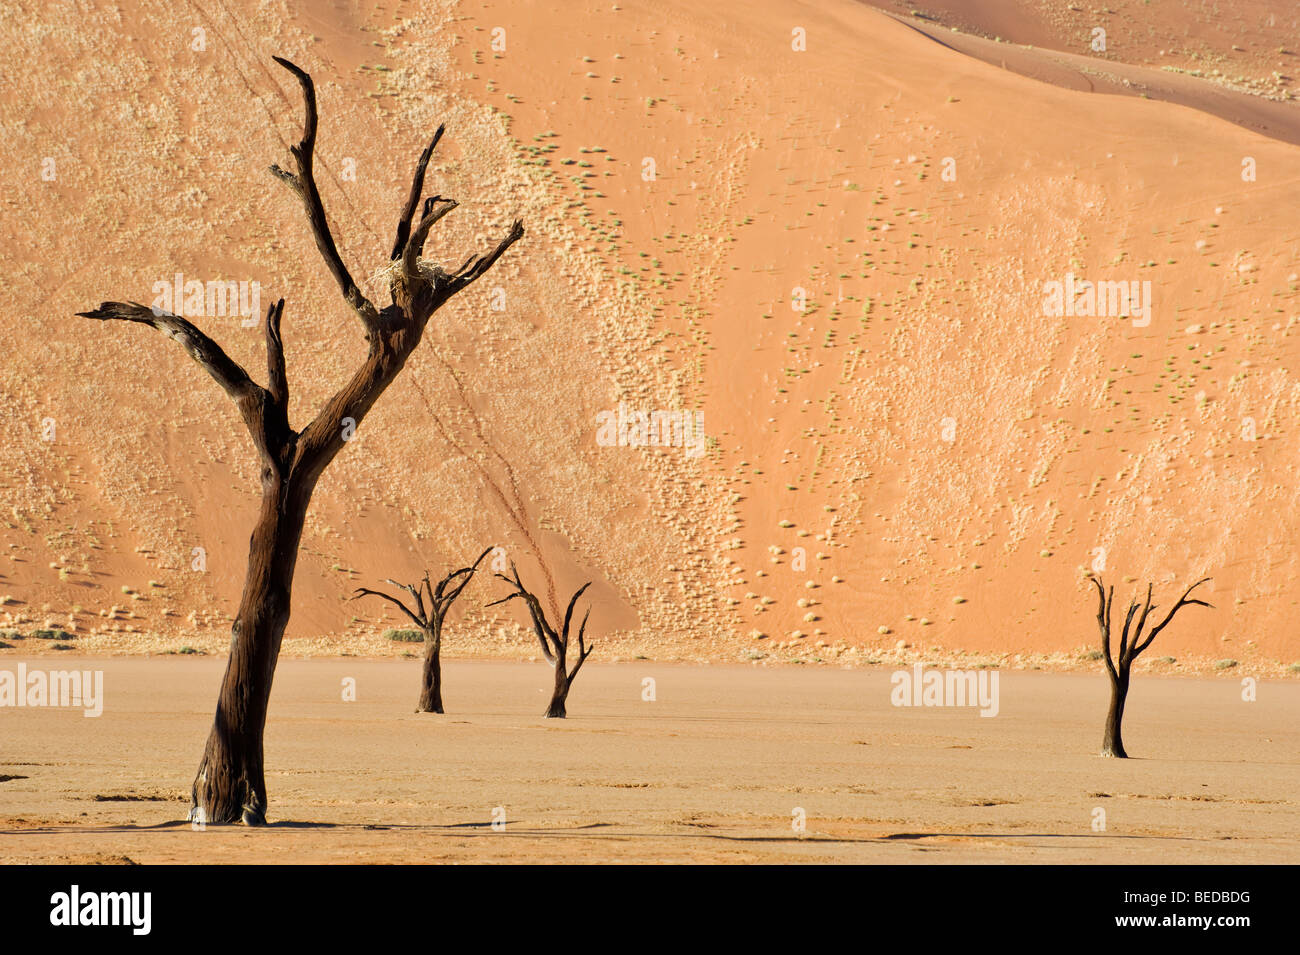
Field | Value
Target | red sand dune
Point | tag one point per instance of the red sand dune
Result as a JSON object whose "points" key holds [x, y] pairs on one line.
{"points": [[949, 457]]}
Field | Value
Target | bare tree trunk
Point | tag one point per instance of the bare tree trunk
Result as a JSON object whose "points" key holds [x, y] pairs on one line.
{"points": [[555, 646], [428, 611], [1112, 743], [230, 785], [559, 694], [431, 685], [1119, 666]]}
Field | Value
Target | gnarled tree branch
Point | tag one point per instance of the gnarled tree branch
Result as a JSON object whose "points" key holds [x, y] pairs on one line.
{"points": [[1182, 602], [230, 784], [413, 200], [1131, 645], [303, 184], [477, 266], [227, 372], [276, 375], [417, 619], [435, 207], [259, 407], [430, 620], [559, 643]]}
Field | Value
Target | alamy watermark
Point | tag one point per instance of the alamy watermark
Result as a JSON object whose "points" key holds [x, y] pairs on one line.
{"points": [[53, 688], [921, 687], [640, 429], [1103, 299], [75, 907], [214, 298]]}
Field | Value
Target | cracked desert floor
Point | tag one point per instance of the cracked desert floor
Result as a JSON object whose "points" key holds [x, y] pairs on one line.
{"points": [[714, 769]]}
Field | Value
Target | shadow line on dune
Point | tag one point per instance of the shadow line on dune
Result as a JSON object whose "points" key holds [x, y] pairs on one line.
{"points": [[1277, 120]]}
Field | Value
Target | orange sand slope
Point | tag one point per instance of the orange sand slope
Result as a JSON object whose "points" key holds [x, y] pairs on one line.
{"points": [[1263, 108], [839, 262], [715, 768], [1247, 46]]}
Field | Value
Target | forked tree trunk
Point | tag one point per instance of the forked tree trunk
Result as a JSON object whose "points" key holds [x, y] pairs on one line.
{"points": [[431, 685], [428, 611], [555, 646], [1112, 743], [230, 785], [1132, 643]]}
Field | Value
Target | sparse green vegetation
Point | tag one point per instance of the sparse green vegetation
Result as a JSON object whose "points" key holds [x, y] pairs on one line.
{"points": [[403, 636]]}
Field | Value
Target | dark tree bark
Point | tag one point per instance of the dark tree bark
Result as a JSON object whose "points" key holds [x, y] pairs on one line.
{"points": [[430, 619], [431, 676], [1131, 645], [1112, 741], [555, 646], [230, 784]]}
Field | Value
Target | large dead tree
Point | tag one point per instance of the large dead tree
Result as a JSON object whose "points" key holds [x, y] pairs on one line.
{"points": [[429, 618], [555, 646], [230, 783], [1131, 645]]}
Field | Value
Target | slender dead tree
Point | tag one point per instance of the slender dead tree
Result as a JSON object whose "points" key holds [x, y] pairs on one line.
{"points": [[1131, 645], [429, 619], [230, 784], [555, 646]]}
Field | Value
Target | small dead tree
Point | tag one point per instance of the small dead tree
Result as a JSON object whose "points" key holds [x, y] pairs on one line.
{"points": [[555, 646], [1131, 645], [429, 619], [230, 784]]}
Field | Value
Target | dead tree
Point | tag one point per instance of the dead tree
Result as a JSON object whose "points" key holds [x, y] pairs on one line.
{"points": [[555, 646], [1131, 645], [230, 783], [429, 619]]}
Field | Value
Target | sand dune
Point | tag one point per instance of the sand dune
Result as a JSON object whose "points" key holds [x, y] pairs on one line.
{"points": [[1277, 118], [841, 242], [948, 457]]}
